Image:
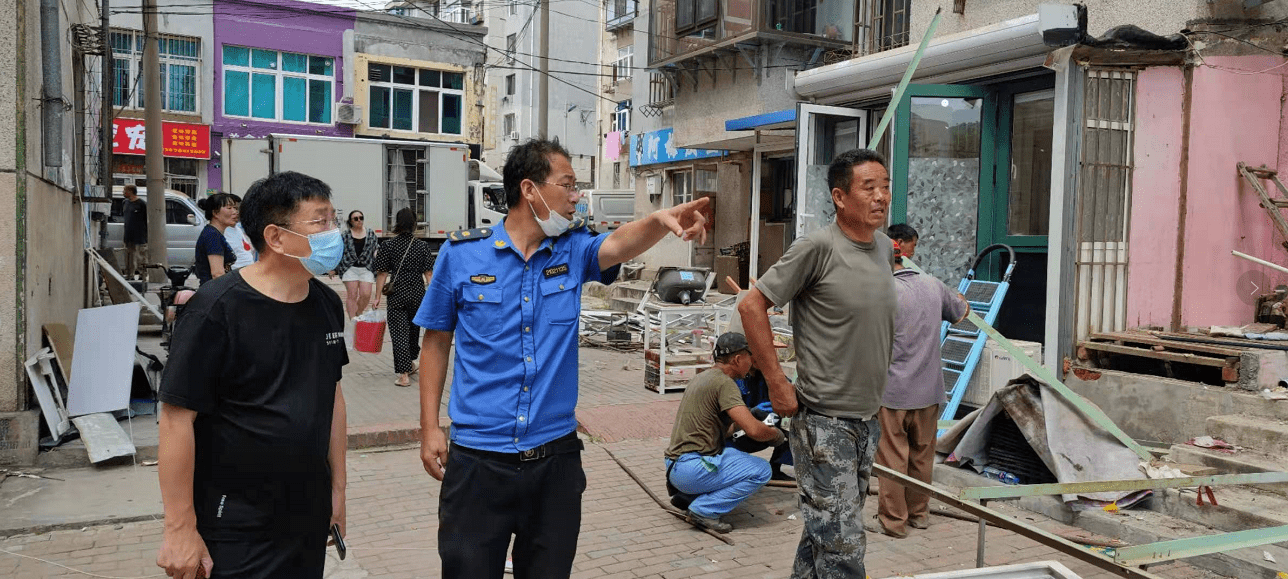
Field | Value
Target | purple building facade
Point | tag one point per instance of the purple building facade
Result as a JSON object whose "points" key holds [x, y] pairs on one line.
{"points": [[279, 68]]}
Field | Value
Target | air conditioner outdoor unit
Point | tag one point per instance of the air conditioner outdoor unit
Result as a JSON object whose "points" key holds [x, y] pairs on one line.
{"points": [[514, 136], [348, 114], [996, 368]]}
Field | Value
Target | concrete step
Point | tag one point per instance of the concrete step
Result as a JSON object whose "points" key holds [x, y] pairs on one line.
{"points": [[1238, 508], [1135, 526], [626, 296], [1244, 461], [1267, 435]]}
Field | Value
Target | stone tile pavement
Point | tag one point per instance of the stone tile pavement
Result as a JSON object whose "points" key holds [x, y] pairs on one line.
{"points": [[393, 510]]}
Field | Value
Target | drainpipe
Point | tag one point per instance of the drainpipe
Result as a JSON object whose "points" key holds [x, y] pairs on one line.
{"points": [[51, 102]]}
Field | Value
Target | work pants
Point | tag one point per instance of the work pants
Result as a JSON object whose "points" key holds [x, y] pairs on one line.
{"points": [[833, 466], [136, 256], [721, 482], [907, 446], [289, 556], [485, 500]]}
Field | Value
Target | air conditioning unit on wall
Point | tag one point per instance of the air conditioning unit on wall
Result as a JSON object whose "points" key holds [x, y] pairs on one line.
{"points": [[348, 114], [514, 136]]}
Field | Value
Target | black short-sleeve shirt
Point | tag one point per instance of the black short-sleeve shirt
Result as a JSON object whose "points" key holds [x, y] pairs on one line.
{"points": [[261, 375]]}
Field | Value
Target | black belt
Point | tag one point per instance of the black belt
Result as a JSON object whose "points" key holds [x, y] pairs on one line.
{"points": [[562, 445]]}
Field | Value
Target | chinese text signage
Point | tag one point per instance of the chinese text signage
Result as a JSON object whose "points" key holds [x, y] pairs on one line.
{"points": [[186, 140]]}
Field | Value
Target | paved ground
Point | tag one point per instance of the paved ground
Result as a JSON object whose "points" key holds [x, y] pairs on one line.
{"points": [[393, 504]]}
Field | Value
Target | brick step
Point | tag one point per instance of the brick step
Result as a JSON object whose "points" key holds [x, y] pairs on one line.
{"points": [[1267, 435]]}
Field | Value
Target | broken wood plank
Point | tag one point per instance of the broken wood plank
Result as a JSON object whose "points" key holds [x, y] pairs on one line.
{"points": [[1169, 356], [61, 342], [1141, 338]]}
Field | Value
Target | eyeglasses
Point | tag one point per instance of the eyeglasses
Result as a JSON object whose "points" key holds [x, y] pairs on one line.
{"points": [[569, 188], [358, 218], [329, 222]]}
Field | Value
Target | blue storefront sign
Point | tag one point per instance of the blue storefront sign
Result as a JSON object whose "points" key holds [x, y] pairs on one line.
{"points": [[659, 147]]}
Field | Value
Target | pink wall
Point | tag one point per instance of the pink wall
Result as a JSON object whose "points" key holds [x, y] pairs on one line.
{"points": [[1235, 117], [1156, 185]]}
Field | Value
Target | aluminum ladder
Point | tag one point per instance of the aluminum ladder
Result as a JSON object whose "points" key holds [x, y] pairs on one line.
{"points": [[962, 344]]}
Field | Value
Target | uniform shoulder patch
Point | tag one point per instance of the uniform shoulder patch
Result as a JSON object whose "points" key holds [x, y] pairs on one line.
{"points": [[577, 223], [469, 234]]}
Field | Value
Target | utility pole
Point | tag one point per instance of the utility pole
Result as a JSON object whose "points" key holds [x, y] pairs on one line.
{"points": [[106, 116], [155, 140], [543, 84]]}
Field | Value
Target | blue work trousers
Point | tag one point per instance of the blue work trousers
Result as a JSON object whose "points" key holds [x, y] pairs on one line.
{"points": [[721, 482]]}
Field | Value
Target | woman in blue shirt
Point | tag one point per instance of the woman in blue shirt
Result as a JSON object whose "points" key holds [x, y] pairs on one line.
{"points": [[214, 256]]}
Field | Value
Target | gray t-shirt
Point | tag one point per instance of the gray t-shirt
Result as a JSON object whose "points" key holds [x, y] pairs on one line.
{"points": [[842, 315], [915, 379]]}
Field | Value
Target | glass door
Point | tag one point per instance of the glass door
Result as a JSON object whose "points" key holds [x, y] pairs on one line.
{"points": [[943, 145], [821, 133]]}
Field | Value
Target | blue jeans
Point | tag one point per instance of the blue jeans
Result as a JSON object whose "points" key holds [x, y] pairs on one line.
{"points": [[730, 478]]}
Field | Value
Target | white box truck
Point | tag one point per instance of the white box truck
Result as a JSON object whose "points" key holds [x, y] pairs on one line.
{"points": [[377, 177]]}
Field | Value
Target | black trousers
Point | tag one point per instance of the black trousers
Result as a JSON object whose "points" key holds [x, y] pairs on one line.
{"points": [[405, 336], [294, 556], [485, 501]]}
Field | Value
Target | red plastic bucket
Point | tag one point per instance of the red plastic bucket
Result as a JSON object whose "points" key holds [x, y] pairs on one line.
{"points": [[368, 336]]}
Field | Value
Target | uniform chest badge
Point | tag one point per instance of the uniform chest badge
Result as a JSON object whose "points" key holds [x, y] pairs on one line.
{"points": [[555, 270], [483, 279]]}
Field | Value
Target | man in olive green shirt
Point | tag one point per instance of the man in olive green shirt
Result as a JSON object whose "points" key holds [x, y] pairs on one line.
{"points": [[839, 283], [697, 461]]}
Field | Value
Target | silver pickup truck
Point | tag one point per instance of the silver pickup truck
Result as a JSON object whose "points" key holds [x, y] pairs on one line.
{"points": [[183, 224]]}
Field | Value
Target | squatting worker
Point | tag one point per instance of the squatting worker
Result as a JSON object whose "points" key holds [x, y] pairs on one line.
{"points": [[716, 478], [252, 417], [914, 392], [842, 293], [510, 296]]}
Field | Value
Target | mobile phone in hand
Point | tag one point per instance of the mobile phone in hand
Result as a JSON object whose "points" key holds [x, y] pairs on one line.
{"points": [[339, 541]]}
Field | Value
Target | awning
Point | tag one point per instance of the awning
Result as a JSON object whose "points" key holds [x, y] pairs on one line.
{"points": [[784, 119], [1001, 48]]}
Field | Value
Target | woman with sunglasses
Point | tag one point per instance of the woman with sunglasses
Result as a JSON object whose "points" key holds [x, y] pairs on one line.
{"points": [[355, 267]]}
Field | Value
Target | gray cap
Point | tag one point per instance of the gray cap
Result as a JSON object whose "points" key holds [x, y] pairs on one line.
{"points": [[730, 343]]}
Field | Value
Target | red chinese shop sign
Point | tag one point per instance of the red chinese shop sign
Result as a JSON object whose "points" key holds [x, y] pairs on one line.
{"points": [[186, 140]]}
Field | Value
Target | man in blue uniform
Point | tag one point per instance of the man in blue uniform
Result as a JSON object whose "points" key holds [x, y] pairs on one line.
{"points": [[511, 296]]}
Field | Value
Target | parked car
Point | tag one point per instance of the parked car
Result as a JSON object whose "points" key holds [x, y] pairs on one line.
{"points": [[183, 224]]}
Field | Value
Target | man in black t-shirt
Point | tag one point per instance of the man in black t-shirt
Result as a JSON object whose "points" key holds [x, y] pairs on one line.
{"points": [[253, 432], [134, 217]]}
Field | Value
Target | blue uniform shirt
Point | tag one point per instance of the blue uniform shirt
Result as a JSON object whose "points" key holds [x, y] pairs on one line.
{"points": [[514, 384]]}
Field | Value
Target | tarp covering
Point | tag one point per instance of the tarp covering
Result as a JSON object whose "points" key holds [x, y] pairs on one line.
{"points": [[1072, 447]]}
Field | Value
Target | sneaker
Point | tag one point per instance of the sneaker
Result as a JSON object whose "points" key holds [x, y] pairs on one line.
{"points": [[712, 523]]}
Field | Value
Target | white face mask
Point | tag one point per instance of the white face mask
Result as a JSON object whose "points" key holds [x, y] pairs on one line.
{"points": [[554, 225]]}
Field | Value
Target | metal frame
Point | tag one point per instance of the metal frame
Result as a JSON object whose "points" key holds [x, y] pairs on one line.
{"points": [[987, 515], [1020, 491], [1164, 551]]}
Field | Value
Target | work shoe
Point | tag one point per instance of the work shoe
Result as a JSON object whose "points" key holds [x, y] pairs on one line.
{"points": [[682, 501], [712, 523], [780, 475], [874, 525], [919, 522]]}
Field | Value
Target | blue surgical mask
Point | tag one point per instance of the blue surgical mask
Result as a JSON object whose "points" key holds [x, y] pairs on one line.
{"points": [[327, 248]]}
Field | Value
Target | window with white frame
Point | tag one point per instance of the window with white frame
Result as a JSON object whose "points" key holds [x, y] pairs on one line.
{"points": [[681, 187], [622, 116], [625, 63], [510, 80], [511, 44], [514, 7], [278, 86], [458, 11], [180, 58], [509, 126], [422, 100]]}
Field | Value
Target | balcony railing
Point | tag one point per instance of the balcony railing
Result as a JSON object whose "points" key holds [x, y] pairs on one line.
{"points": [[619, 13], [679, 27], [661, 92]]}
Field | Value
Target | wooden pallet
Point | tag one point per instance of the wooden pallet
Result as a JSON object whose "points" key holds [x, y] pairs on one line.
{"points": [[1143, 345]]}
